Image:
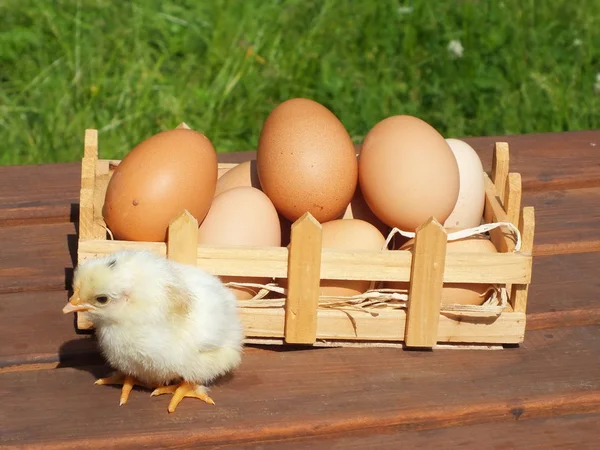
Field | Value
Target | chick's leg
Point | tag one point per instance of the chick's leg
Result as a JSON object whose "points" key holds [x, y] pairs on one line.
{"points": [[127, 381], [182, 390]]}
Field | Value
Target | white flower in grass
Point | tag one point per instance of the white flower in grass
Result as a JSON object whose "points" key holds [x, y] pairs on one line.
{"points": [[456, 48], [597, 85], [577, 42], [405, 9]]}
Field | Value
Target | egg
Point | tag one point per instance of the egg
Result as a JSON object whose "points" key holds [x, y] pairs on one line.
{"points": [[358, 209], [159, 178], [408, 173], [458, 293], [468, 211], [241, 216], [352, 235], [306, 161], [244, 174]]}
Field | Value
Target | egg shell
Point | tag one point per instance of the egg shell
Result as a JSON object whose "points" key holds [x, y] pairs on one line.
{"points": [[358, 209], [306, 161], [458, 293], [244, 174], [159, 178], [241, 216], [408, 173], [347, 234], [468, 211]]}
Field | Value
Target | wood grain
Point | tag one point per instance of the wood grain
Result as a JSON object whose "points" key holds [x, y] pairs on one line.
{"points": [[426, 281], [277, 395], [37, 257], [567, 221], [304, 268], [563, 293], [579, 431]]}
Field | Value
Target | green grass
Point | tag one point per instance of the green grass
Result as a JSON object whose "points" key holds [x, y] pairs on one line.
{"points": [[131, 69]]}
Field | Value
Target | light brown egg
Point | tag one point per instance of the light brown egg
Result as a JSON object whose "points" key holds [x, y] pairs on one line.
{"points": [[408, 173], [244, 174], [241, 216], [458, 293], [163, 175], [468, 211], [347, 234], [306, 161]]}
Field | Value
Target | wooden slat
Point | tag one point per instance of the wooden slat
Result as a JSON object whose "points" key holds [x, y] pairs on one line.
{"points": [[303, 282], [182, 239], [426, 280], [357, 389], [338, 264], [500, 168]]}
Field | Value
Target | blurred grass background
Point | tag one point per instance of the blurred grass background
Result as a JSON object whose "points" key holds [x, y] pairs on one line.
{"points": [[133, 68]]}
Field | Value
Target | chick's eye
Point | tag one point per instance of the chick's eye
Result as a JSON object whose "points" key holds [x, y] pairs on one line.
{"points": [[102, 299]]}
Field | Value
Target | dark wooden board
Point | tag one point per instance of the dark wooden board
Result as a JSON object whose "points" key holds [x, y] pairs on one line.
{"points": [[39, 193], [564, 293], [567, 432], [566, 221], [278, 395], [37, 257]]}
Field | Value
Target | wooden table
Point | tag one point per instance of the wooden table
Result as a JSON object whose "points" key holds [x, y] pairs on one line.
{"points": [[544, 393]]}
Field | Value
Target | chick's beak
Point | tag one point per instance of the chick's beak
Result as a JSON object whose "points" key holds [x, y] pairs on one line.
{"points": [[75, 304]]}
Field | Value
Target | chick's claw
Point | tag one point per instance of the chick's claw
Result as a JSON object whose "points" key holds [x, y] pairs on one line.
{"points": [[182, 390], [127, 381]]}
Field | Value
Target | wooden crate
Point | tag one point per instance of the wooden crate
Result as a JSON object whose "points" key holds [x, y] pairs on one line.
{"points": [[302, 318]]}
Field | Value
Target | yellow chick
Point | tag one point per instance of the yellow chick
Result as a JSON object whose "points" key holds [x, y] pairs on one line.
{"points": [[163, 325]]}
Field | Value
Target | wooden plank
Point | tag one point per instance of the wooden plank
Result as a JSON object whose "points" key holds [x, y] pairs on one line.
{"points": [[364, 389], [37, 257], [566, 221], [564, 293], [547, 161], [339, 264], [580, 431], [33, 330], [304, 267], [425, 291]]}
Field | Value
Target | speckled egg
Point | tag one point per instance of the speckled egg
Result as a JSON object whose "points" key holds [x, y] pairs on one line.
{"points": [[306, 161], [163, 175]]}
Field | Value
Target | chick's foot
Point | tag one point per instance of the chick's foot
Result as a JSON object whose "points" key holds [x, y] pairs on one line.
{"points": [[127, 381], [182, 390]]}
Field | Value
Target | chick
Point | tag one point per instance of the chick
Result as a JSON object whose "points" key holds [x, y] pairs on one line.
{"points": [[163, 325]]}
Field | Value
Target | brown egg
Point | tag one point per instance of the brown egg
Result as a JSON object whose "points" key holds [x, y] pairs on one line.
{"points": [[241, 216], [358, 209], [163, 175], [244, 174], [408, 173], [347, 234], [458, 293], [306, 161]]}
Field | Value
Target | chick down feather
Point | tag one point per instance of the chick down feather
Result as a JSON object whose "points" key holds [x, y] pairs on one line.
{"points": [[161, 321]]}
